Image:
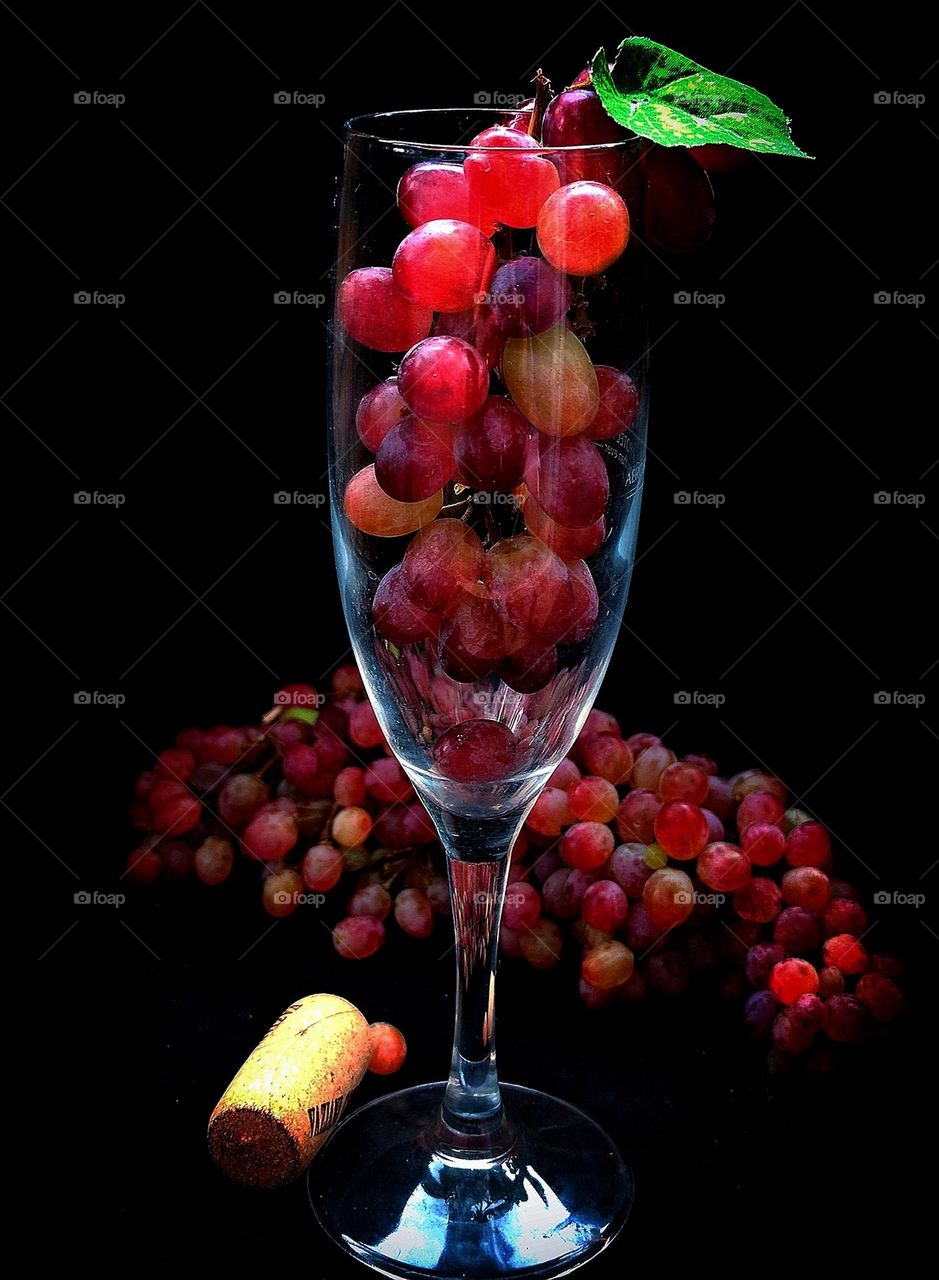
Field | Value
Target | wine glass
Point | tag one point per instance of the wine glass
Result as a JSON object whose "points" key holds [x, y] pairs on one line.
{"points": [[487, 445]]}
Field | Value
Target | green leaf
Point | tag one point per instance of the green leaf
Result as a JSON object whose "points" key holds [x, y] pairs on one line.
{"points": [[664, 96]]}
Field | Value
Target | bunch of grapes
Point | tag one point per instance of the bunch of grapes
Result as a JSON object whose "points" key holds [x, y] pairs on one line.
{"points": [[655, 871], [497, 404]]}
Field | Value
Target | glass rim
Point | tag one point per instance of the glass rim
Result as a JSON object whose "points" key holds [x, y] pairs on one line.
{"points": [[355, 128]]}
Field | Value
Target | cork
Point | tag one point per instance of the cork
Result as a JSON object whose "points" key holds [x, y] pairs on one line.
{"points": [[291, 1092]]}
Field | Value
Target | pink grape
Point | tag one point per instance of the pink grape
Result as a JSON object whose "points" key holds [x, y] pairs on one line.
{"points": [[635, 818], [372, 511], [570, 544], [607, 756], [522, 905], [351, 826], [758, 806], [364, 729], [629, 868], [551, 812], [608, 965], [358, 937], [379, 410], [443, 380], [373, 310], [552, 380], [302, 766], [370, 900], [681, 829], [577, 118], [415, 460], [489, 446], [504, 183], [759, 900], [388, 1049], [605, 906], [349, 786], [214, 860], [414, 914], [444, 265], [472, 639], [431, 190], [583, 228], [565, 775], [321, 868], [528, 297], [476, 751], [618, 405], [845, 952], [587, 845], [441, 561], [805, 887], [593, 799], [723, 867], [764, 843], [668, 897], [808, 845], [240, 797], [395, 614], [531, 588], [793, 978], [683, 781], [568, 479], [280, 893], [387, 782]]}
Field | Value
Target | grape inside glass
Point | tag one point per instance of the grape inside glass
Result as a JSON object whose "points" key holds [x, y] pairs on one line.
{"points": [[487, 445]]}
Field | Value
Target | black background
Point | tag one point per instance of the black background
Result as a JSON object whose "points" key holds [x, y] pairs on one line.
{"points": [[797, 600]]}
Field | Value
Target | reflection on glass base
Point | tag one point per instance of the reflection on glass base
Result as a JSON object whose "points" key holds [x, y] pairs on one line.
{"points": [[550, 1193]]}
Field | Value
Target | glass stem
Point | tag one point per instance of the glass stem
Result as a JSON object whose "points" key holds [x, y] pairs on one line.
{"points": [[472, 1104]]}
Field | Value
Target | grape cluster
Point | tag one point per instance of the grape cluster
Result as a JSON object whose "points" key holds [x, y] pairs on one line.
{"points": [[309, 793], [496, 397], [653, 871]]}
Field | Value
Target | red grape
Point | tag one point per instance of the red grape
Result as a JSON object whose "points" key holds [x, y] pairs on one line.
{"points": [[568, 479], [808, 845], [797, 929], [432, 190], [443, 379], [270, 835], [760, 1013], [608, 965], [522, 905], [759, 900], [570, 544], [679, 202], [541, 944], [605, 906], [758, 806], [370, 900], [764, 843], [683, 781], [506, 185], [373, 310], [845, 1018], [619, 404], [668, 897], [551, 812], [378, 411], [444, 265], [531, 588], [792, 978], [577, 118], [351, 826], [280, 892], [629, 868], [845, 952], [387, 782], [587, 845], [358, 937], [321, 868], [489, 446], [723, 867], [302, 767], [583, 228], [841, 915], [395, 614], [372, 511], [528, 297], [388, 1049], [762, 960], [528, 670], [143, 865], [880, 996], [586, 603], [349, 786], [414, 913], [476, 751], [415, 459], [240, 797], [635, 818], [214, 860], [681, 829], [805, 887], [593, 799]]}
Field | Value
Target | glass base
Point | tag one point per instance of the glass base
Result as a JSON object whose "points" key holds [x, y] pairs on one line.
{"points": [[540, 1198]]}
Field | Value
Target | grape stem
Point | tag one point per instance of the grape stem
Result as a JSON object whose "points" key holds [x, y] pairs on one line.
{"points": [[542, 98]]}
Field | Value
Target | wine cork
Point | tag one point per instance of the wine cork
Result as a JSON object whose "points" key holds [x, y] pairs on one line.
{"points": [[291, 1092]]}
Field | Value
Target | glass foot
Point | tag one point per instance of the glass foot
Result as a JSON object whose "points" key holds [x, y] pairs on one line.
{"points": [[543, 1196]]}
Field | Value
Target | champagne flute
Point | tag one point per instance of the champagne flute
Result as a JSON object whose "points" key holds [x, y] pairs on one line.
{"points": [[487, 446]]}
